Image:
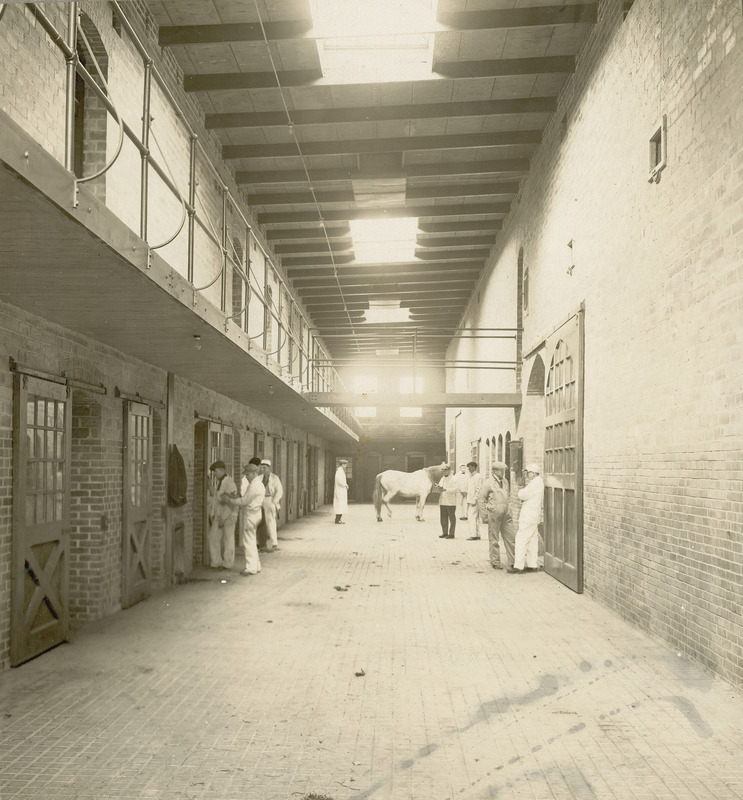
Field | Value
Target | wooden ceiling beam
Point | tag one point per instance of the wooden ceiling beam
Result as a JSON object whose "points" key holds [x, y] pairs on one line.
{"points": [[300, 198], [397, 268], [519, 166], [498, 68], [407, 300], [390, 287], [463, 210], [317, 246], [383, 145], [453, 255], [223, 81], [462, 190], [563, 14], [170, 35], [318, 232], [455, 241], [412, 111], [485, 226]]}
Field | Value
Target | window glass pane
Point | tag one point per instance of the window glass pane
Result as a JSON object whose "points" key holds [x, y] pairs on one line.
{"points": [[30, 409], [30, 509], [58, 505], [49, 438], [39, 508]]}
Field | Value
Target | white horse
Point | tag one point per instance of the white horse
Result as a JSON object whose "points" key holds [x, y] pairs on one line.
{"points": [[416, 484]]}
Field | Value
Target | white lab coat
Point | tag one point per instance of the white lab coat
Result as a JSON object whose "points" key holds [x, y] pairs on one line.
{"points": [[340, 492]]}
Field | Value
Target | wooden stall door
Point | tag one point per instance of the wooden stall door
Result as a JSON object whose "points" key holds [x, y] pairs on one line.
{"points": [[41, 517], [563, 456], [137, 528]]}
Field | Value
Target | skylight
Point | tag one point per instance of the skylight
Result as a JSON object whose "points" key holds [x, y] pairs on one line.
{"points": [[373, 41], [383, 241]]}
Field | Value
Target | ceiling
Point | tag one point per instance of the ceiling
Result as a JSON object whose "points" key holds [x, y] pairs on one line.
{"points": [[450, 148]]}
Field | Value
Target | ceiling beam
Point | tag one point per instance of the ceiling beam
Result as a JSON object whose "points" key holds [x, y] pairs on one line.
{"points": [[363, 304], [450, 227], [453, 255], [519, 166], [397, 268], [393, 212], [318, 232], [223, 81], [300, 198], [390, 288], [454, 241], [325, 116], [383, 145], [563, 14], [319, 260], [169, 35], [427, 400], [317, 246], [497, 68], [462, 190]]}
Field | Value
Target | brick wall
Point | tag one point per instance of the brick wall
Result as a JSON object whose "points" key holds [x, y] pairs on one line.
{"points": [[658, 267], [96, 471]]}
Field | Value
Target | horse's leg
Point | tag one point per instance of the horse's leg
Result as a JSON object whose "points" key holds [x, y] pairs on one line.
{"points": [[420, 502], [386, 497]]}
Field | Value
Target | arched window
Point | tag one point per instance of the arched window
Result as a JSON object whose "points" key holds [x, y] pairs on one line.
{"points": [[536, 377], [507, 454]]}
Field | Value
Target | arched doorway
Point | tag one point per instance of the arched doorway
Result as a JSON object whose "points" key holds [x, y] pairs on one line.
{"points": [[563, 455]]}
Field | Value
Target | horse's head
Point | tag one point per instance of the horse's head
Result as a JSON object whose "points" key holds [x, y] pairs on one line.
{"points": [[435, 473]]}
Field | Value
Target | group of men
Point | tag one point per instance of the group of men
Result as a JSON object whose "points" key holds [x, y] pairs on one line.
{"points": [[486, 500], [259, 498]]}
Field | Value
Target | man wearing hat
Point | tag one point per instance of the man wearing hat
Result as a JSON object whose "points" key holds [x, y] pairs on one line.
{"points": [[271, 504], [494, 509], [463, 481], [252, 493], [527, 536], [340, 492], [220, 538]]}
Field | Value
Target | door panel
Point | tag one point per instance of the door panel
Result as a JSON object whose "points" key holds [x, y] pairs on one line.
{"points": [[563, 457], [136, 556], [41, 517]]}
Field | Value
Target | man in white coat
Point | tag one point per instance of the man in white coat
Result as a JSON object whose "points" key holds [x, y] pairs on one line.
{"points": [[222, 518], [474, 484], [250, 504], [463, 482], [271, 504], [340, 492], [526, 549]]}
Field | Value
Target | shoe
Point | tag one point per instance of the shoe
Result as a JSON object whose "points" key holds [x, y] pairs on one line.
{"points": [[443, 536], [473, 538], [339, 522], [463, 518], [262, 549], [273, 549], [450, 536], [246, 573], [515, 571], [496, 566], [532, 569]]}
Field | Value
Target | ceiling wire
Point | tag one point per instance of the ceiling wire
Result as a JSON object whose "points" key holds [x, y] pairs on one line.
{"points": [[292, 133]]}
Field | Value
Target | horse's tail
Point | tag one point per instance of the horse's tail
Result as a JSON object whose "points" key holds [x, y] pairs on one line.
{"points": [[378, 495]]}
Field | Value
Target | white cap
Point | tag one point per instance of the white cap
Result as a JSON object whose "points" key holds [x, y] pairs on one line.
{"points": [[533, 468], [266, 462]]}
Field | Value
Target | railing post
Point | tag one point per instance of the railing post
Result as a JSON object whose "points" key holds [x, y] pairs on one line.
{"points": [[145, 154], [223, 298], [191, 206], [71, 75], [145, 172], [267, 306]]}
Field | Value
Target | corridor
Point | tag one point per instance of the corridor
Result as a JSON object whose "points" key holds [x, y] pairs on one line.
{"points": [[368, 661]]}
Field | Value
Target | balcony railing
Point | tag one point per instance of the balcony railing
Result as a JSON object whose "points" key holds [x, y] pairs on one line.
{"points": [[198, 224]]}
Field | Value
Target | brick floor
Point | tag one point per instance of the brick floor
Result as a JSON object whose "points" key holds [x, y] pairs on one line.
{"points": [[475, 684]]}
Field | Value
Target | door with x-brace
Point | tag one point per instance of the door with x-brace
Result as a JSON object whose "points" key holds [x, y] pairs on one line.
{"points": [[41, 517]]}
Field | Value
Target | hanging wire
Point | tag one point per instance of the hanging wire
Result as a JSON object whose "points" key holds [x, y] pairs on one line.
{"points": [[290, 125]]}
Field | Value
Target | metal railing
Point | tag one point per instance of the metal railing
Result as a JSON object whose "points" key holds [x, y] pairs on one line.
{"points": [[314, 372]]}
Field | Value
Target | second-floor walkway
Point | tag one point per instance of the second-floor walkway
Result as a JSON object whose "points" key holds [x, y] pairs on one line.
{"points": [[368, 661]]}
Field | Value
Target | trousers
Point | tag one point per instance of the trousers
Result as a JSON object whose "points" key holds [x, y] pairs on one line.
{"points": [[500, 527]]}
